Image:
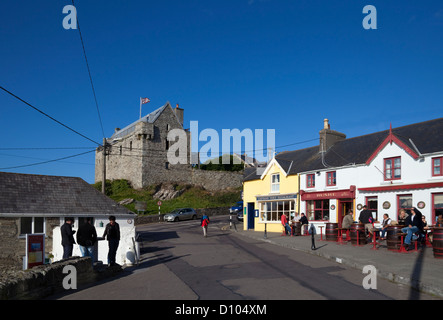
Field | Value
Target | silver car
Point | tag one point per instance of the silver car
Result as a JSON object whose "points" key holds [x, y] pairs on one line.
{"points": [[181, 214]]}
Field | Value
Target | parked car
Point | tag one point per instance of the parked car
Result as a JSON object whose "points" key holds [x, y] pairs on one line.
{"points": [[181, 214], [237, 209]]}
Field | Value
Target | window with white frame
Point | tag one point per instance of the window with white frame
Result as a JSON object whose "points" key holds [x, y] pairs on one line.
{"points": [[274, 210], [30, 225], [275, 182]]}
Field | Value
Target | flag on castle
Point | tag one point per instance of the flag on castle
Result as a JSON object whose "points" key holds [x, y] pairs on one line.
{"points": [[142, 102]]}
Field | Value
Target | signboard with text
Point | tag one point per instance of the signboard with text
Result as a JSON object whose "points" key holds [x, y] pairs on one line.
{"points": [[35, 249]]}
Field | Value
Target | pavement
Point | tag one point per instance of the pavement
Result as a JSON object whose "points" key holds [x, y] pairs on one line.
{"points": [[418, 269]]}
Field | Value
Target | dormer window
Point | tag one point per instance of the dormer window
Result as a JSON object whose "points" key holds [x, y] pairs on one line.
{"points": [[275, 182], [393, 168]]}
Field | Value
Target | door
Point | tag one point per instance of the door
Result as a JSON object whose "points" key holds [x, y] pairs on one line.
{"points": [[251, 215], [343, 207]]}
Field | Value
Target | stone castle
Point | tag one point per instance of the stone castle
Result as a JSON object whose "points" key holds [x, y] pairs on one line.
{"points": [[138, 153]]}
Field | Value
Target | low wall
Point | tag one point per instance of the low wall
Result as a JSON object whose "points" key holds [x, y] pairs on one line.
{"points": [[46, 280], [140, 220]]}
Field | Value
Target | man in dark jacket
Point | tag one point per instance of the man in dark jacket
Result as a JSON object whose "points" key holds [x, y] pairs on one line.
{"points": [[414, 225], [367, 219], [112, 232], [67, 237], [86, 239]]}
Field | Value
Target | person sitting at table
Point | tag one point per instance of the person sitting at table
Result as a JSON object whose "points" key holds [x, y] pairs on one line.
{"points": [[348, 220], [414, 225], [384, 226]]}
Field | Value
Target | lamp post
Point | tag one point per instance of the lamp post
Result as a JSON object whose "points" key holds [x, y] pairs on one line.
{"points": [[265, 217]]}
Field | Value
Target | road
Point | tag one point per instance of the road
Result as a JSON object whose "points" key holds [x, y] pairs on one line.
{"points": [[178, 263]]}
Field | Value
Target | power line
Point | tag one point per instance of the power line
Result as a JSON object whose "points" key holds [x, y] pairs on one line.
{"points": [[46, 115], [45, 148], [89, 72], [54, 160]]}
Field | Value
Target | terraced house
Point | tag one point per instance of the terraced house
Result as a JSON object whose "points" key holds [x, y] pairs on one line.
{"points": [[387, 171]]}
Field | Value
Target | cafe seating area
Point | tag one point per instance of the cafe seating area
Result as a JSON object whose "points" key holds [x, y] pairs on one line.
{"points": [[357, 236]]}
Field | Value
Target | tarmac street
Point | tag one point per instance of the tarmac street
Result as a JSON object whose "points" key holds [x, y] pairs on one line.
{"points": [[178, 263]]}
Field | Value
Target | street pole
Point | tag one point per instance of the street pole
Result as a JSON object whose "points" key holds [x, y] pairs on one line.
{"points": [[104, 167]]}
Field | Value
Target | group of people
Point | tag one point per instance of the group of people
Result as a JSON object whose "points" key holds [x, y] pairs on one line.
{"points": [[297, 218], [87, 237], [415, 224]]}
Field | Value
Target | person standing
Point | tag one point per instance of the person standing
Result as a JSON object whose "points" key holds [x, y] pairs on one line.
{"points": [[112, 234], [86, 239], [284, 222], [67, 237], [204, 223], [367, 219]]}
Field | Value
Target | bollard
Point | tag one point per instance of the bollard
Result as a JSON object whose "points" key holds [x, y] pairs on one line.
{"points": [[312, 232]]}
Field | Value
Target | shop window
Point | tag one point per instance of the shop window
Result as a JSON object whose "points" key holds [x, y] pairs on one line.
{"points": [[331, 178], [310, 181], [275, 182], [275, 209], [393, 168], [30, 225], [317, 210], [436, 166]]}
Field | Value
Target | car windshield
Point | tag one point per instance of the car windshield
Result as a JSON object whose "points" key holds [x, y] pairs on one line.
{"points": [[176, 211]]}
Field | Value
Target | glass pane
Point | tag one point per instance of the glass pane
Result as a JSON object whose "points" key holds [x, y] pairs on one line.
{"points": [[405, 201], [38, 224], [397, 173], [388, 164], [397, 162], [438, 201], [25, 225]]}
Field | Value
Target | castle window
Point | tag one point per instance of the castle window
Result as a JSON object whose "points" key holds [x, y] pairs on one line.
{"points": [[120, 150], [166, 165], [130, 145], [167, 144]]}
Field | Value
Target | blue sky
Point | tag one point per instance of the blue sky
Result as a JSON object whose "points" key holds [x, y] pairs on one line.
{"points": [[258, 64]]}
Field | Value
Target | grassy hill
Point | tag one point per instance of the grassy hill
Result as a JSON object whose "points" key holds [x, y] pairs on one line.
{"points": [[194, 197]]}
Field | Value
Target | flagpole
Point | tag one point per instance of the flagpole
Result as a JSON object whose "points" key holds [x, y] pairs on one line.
{"points": [[140, 108]]}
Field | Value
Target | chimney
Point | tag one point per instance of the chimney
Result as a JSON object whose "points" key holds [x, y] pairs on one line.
{"points": [[329, 137], [179, 112]]}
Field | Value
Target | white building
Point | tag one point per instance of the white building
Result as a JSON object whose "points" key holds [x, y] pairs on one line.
{"points": [[31, 204], [388, 170]]}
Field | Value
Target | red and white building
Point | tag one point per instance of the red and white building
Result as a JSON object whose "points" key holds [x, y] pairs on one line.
{"points": [[387, 171]]}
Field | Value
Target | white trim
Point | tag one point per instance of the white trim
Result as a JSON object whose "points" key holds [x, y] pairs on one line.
{"points": [[268, 167]]}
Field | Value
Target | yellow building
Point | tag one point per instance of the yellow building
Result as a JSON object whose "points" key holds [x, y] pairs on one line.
{"points": [[267, 194]]}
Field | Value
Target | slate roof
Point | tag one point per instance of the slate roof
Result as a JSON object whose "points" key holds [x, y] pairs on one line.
{"points": [[40, 195], [150, 118], [426, 136]]}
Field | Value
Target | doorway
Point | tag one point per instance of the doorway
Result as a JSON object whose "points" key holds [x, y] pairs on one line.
{"points": [[251, 215], [344, 205]]}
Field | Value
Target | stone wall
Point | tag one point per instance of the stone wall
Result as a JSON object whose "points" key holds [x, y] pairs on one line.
{"points": [[42, 281], [13, 246]]}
